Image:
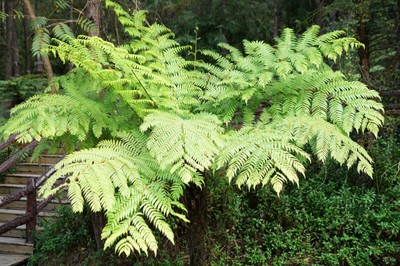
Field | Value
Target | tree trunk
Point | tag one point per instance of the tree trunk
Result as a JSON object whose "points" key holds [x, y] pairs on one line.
{"points": [[45, 58], [9, 7], [70, 66], [3, 47], [320, 12], [15, 52], [364, 51], [277, 17], [398, 20], [363, 37], [11, 39], [137, 4], [38, 62], [27, 44], [93, 13], [98, 223], [196, 200], [31, 208]]}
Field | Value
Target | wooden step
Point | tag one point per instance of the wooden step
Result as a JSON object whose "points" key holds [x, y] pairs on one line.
{"points": [[39, 168], [15, 245], [19, 178], [21, 204], [6, 189], [19, 231], [45, 159], [12, 259], [10, 214], [10, 188], [13, 241]]}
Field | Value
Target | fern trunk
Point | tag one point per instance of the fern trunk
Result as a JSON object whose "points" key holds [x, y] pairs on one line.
{"points": [[98, 223], [196, 200]]}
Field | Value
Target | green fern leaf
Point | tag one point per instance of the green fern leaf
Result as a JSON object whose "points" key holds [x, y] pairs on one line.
{"points": [[191, 143]]}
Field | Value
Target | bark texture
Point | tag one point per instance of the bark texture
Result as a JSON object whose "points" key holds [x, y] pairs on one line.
{"points": [[364, 51]]}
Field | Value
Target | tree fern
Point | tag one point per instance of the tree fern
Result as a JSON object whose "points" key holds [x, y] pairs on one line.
{"points": [[189, 113]]}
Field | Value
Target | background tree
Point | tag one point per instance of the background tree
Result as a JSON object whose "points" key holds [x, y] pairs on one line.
{"points": [[93, 13], [12, 51]]}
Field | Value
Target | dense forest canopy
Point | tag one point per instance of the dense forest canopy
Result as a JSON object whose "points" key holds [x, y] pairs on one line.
{"points": [[172, 103]]}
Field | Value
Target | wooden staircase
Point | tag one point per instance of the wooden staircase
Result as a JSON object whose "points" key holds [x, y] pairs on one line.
{"points": [[14, 243]]}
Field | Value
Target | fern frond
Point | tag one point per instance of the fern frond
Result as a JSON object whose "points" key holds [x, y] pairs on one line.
{"points": [[40, 41], [286, 44], [86, 25], [51, 116], [119, 177], [63, 32], [308, 38], [326, 140], [63, 4], [257, 157], [329, 96], [191, 143], [179, 106]]}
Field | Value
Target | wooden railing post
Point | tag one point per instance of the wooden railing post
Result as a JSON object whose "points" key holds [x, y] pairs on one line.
{"points": [[31, 209]]}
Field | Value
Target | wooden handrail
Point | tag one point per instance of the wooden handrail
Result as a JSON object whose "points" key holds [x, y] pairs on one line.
{"points": [[25, 218], [32, 209], [16, 195], [14, 159], [26, 190], [8, 142]]}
